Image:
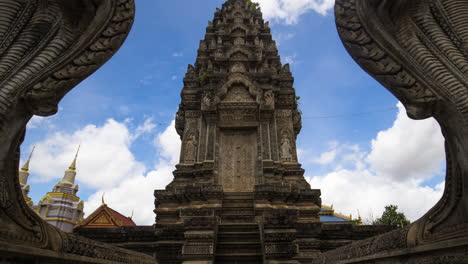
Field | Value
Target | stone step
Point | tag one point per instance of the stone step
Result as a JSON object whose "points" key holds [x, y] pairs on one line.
{"points": [[238, 200], [239, 236], [237, 220], [238, 247], [238, 227], [228, 196], [250, 258], [234, 215], [238, 211], [238, 205]]}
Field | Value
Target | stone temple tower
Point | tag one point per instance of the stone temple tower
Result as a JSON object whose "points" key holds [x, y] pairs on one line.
{"points": [[238, 194]]}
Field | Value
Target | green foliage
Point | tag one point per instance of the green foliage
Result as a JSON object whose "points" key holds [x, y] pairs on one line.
{"points": [[356, 221], [253, 5], [298, 103], [392, 218], [203, 78]]}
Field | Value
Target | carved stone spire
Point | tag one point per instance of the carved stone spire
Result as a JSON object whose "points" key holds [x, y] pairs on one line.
{"points": [[238, 62], [238, 122]]}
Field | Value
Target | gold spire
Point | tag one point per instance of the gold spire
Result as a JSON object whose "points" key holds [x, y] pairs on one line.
{"points": [[26, 165], [73, 164], [69, 177], [102, 198]]}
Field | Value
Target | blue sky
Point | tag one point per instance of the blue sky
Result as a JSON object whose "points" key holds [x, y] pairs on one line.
{"points": [[122, 117]]}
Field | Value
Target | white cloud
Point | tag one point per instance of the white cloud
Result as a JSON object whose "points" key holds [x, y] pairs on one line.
{"points": [[106, 164], [353, 190], [289, 11], [104, 159], [42, 122], [280, 37], [36, 121], [177, 54], [136, 193], [326, 157], [289, 59], [401, 159], [169, 144], [409, 149], [174, 77], [146, 128]]}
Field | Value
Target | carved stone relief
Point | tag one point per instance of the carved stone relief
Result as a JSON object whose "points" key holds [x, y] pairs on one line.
{"points": [[269, 99], [239, 41], [191, 146], [285, 146], [238, 117], [238, 93], [238, 67], [207, 100], [238, 152], [219, 53]]}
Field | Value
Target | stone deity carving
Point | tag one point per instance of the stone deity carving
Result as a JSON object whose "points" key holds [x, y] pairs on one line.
{"points": [[238, 67], [269, 98], [213, 44], [219, 53], [259, 53], [210, 66], [239, 41], [286, 149], [190, 148], [206, 102]]}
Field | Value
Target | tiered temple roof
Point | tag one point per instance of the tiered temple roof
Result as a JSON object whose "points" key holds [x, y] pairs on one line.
{"points": [[106, 217], [327, 215]]}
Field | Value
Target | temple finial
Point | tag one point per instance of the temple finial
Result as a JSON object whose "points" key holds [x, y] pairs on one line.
{"points": [[73, 164], [102, 199], [26, 165]]}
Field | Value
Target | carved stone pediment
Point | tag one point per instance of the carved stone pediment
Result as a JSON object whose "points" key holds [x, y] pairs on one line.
{"points": [[239, 54], [238, 94], [242, 84], [238, 68]]}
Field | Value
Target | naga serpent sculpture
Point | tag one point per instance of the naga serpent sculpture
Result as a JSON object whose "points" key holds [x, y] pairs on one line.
{"points": [[418, 50], [47, 47]]}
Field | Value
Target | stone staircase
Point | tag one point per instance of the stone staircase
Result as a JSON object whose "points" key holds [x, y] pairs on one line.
{"points": [[238, 234]]}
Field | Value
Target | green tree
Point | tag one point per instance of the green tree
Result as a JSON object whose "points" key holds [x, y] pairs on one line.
{"points": [[392, 218]]}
